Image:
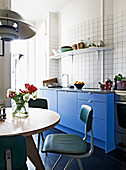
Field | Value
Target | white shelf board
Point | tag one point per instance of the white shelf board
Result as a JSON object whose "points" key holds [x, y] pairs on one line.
{"points": [[75, 52]]}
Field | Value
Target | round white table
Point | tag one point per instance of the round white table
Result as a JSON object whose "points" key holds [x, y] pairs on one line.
{"points": [[38, 121]]}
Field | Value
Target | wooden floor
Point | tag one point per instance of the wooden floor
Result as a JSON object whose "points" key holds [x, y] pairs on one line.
{"points": [[115, 160]]}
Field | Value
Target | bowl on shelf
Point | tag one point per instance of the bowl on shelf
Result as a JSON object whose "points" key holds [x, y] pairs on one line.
{"points": [[79, 86], [65, 49]]}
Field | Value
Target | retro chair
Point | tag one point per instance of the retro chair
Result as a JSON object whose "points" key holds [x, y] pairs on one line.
{"points": [[13, 153], [39, 103], [72, 145]]}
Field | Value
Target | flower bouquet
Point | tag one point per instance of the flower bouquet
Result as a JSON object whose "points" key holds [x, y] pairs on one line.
{"points": [[21, 98]]}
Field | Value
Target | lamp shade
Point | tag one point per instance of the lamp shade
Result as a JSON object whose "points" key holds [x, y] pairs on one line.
{"points": [[13, 26]]}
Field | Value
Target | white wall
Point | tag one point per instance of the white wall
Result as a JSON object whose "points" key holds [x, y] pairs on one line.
{"points": [[119, 5], [78, 11], [5, 65]]}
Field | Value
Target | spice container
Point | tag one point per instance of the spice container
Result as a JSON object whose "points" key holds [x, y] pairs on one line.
{"points": [[100, 43], [81, 45], [74, 47], [88, 43]]}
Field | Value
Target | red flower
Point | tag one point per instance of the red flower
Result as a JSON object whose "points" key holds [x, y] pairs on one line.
{"points": [[32, 89], [24, 91], [27, 85], [12, 94]]}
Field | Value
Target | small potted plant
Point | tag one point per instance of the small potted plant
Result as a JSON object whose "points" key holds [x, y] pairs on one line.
{"points": [[119, 78]]}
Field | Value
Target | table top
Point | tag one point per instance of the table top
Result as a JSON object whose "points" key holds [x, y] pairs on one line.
{"points": [[38, 121]]}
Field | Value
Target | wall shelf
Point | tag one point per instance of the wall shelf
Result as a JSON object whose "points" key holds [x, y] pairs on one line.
{"points": [[80, 51]]}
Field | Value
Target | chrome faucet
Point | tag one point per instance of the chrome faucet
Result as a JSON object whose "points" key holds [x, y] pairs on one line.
{"points": [[67, 79]]}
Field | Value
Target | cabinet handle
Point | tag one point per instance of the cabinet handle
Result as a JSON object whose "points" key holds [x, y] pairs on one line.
{"points": [[89, 101]]}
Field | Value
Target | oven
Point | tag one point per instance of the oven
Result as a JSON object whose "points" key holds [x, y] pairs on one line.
{"points": [[120, 120]]}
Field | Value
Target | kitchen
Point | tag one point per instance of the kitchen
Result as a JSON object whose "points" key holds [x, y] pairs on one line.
{"points": [[70, 28]]}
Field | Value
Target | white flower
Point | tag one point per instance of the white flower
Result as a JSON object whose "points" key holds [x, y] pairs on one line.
{"points": [[26, 97], [34, 95], [9, 92]]}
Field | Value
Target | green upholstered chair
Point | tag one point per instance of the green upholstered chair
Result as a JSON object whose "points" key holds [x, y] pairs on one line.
{"points": [[72, 145], [39, 103], [13, 153]]}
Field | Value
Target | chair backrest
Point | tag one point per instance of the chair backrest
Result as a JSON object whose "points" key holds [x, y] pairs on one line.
{"points": [[13, 153], [86, 115], [38, 103]]}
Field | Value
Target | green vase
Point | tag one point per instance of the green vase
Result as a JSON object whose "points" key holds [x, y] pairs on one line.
{"points": [[20, 109]]}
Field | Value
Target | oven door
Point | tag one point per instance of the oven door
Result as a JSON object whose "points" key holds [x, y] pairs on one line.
{"points": [[120, 116], [120, 124]]}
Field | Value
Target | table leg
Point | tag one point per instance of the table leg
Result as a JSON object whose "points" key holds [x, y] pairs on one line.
{"points": [[33, 153]]}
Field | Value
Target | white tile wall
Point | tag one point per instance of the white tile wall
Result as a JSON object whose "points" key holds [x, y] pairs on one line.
{"points": [[86, 66]]}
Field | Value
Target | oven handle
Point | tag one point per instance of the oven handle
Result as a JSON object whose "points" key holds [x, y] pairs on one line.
{"points": [[120, 102]]}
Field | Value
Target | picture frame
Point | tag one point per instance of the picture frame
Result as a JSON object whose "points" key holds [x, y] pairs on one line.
{"points": [[1, 48]]}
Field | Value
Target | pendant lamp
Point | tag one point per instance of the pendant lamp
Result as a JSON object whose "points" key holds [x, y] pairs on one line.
{"points": [[13, 26]]}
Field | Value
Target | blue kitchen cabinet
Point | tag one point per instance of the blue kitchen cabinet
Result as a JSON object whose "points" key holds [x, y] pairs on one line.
{"points": [[51, 96], [103, 118], [67, 108], [68, 105]]}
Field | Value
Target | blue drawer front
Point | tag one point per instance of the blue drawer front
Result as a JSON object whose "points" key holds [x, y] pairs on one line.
{"points": [[99, 109], [92, 96]]}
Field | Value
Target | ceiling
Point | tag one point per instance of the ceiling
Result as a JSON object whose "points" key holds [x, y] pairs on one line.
{"points": [[34, 10]]}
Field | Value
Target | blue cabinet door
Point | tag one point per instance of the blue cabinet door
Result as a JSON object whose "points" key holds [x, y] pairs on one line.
{"points": [[51, 96], [67, 108]]}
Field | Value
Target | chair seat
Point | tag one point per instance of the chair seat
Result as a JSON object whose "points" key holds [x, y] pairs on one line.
{"points": [[64, 144]]}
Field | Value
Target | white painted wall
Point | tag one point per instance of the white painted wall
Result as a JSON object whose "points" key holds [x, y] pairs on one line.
{"points": [[119, 5], [5, 65], [78, 11]]}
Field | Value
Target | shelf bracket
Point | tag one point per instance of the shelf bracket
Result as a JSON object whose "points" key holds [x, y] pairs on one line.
{"points": [[97, 55], [72, 58], [102, 66]]}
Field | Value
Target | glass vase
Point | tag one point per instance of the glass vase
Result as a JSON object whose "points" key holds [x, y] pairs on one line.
{"points": [[20, 109]]}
